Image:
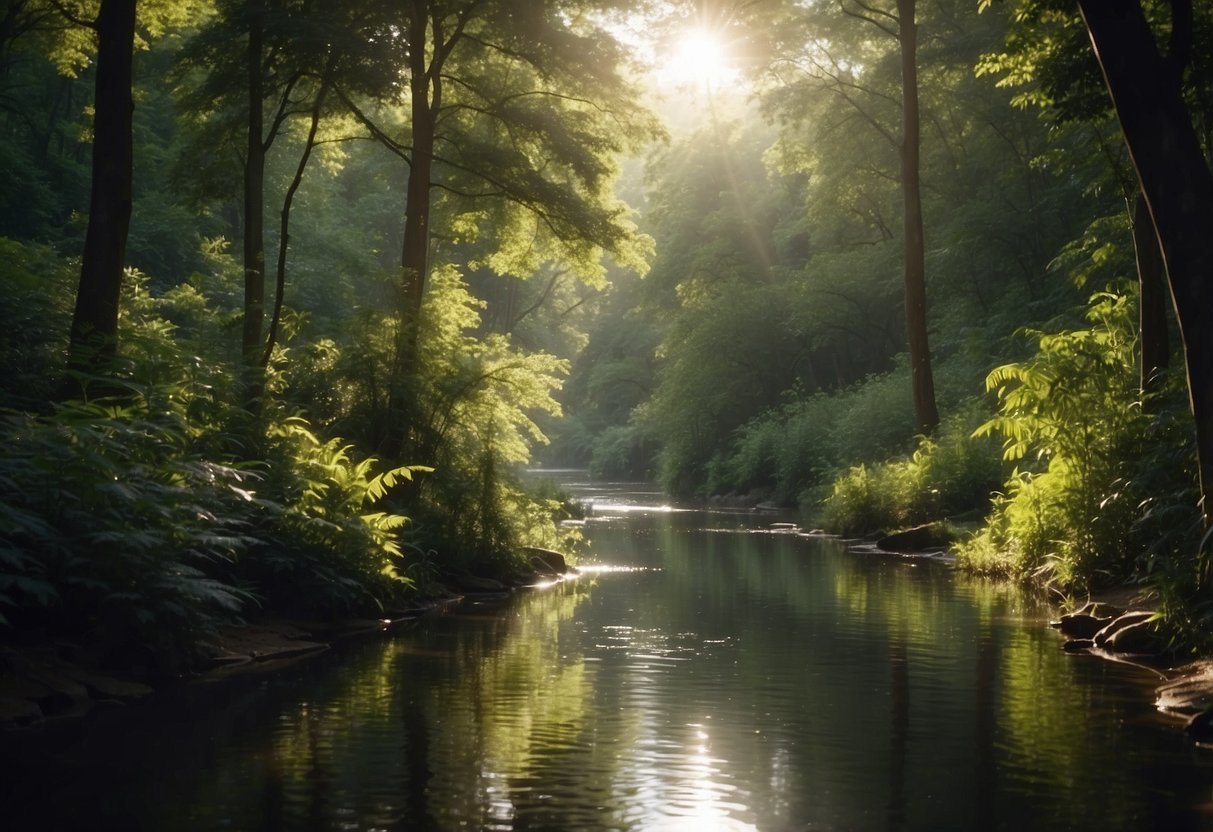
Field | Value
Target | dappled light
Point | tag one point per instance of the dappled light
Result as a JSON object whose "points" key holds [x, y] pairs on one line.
{"points": [[621, 416]]}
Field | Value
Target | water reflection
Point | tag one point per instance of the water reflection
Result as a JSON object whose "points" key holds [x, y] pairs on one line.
{"points": [[691, 680]]}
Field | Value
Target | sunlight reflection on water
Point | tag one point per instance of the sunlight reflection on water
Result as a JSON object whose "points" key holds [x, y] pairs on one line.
{"points": [[693, 680]]}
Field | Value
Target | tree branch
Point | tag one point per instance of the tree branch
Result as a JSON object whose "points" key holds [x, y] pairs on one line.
{"points": [[891, 32]]}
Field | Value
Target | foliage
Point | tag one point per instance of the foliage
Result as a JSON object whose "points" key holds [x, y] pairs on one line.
{"points": [[111, 524], [37, 286], [947, 475], [761, 355], [323, 549], [145, 518], [478, 427], [1071, 419]]}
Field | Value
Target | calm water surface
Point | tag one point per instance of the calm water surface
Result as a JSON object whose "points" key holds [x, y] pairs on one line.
{"points": [[699, 676]]}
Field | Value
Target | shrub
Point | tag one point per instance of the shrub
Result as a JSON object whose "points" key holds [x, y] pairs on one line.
{"points": [[946, 476], [1086, 488], [113, 527]]}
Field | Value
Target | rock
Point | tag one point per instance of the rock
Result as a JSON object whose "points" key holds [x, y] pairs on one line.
{"points": [[64, 694], [1200, 728], [15, 686], [909, 540], [547, 561], [473, 583], [1080, 625], [19, 713], [1190, 695], [343, 629], [227, 660], [267, 642], [107, 687], [1140, 633], [1078, 645], [1099, 609], [1143, 637], [1129, 619]]}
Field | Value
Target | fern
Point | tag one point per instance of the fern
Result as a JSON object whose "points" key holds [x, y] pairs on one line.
{"points": [[379, 486], [1071, 418]]}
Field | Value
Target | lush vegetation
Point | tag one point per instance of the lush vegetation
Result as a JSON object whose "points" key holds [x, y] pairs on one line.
{"points": [[897, 265], [765, 357], [198, 428]]}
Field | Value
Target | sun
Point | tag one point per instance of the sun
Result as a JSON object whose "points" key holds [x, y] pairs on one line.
{"points": [[698, 57]]}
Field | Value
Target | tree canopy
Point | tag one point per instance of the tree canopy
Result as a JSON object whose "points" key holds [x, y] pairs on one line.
{"points": [[342, 272]]}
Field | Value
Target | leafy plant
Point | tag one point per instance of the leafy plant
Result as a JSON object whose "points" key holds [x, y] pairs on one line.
{"points": [[1072, 421], [117, 529]]}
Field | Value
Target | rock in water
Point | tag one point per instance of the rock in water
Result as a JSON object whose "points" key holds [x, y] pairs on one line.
{"points": [[1134, 632], [547, 561], [909, 540], [1080, 625], [1077, 645], [1200, 728]]}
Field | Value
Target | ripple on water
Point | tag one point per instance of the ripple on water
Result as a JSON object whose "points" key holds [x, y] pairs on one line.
{"points": [[722, 681]]}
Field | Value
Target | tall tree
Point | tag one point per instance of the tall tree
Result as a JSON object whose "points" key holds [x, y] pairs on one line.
{"points": [[94, 330], [1151, 300], [926, 414], [284, 71], [1049, 52], [94, 334], [891, 23], [1175, 180], [256, 147], [514, 102]]}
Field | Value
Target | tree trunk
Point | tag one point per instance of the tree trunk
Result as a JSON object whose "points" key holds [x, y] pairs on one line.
{"points": [[414, 260], [1151, 300], [94, 336], [926, 414], [284, 236], [254, 197], [1178, 189]]}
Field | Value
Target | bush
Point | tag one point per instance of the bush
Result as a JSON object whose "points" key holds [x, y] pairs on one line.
{"points": [[946, 476], [1088, 493], [113, 527]]}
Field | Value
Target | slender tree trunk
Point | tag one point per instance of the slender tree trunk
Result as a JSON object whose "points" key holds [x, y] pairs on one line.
{"points": [[415, 254], [254, 196], [94, 335], [414, 260], [926, 414], [1151, 300], [1177, 185], [284, 229]]}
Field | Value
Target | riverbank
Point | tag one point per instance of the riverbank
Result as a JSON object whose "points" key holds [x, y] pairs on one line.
{"points": [[704, 654], [55, 684], [1117, 624]]}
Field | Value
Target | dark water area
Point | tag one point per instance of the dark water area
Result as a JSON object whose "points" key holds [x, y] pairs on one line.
{"points": [[706, 672]]}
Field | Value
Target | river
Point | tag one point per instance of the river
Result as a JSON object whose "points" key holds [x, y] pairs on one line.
{"points": [[707, 671]]}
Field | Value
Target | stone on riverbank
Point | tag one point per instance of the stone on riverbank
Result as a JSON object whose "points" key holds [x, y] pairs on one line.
{"points": [[1107, 629], [928, 537], [547, 561], [1087, 620], [1191, 696], [1133, 632], [37, 684]]}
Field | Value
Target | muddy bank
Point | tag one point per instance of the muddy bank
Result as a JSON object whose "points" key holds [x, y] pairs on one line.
{"points": [[54, 685]]}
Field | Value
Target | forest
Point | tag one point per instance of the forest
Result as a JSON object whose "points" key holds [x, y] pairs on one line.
{"points": [[296, 292]]}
